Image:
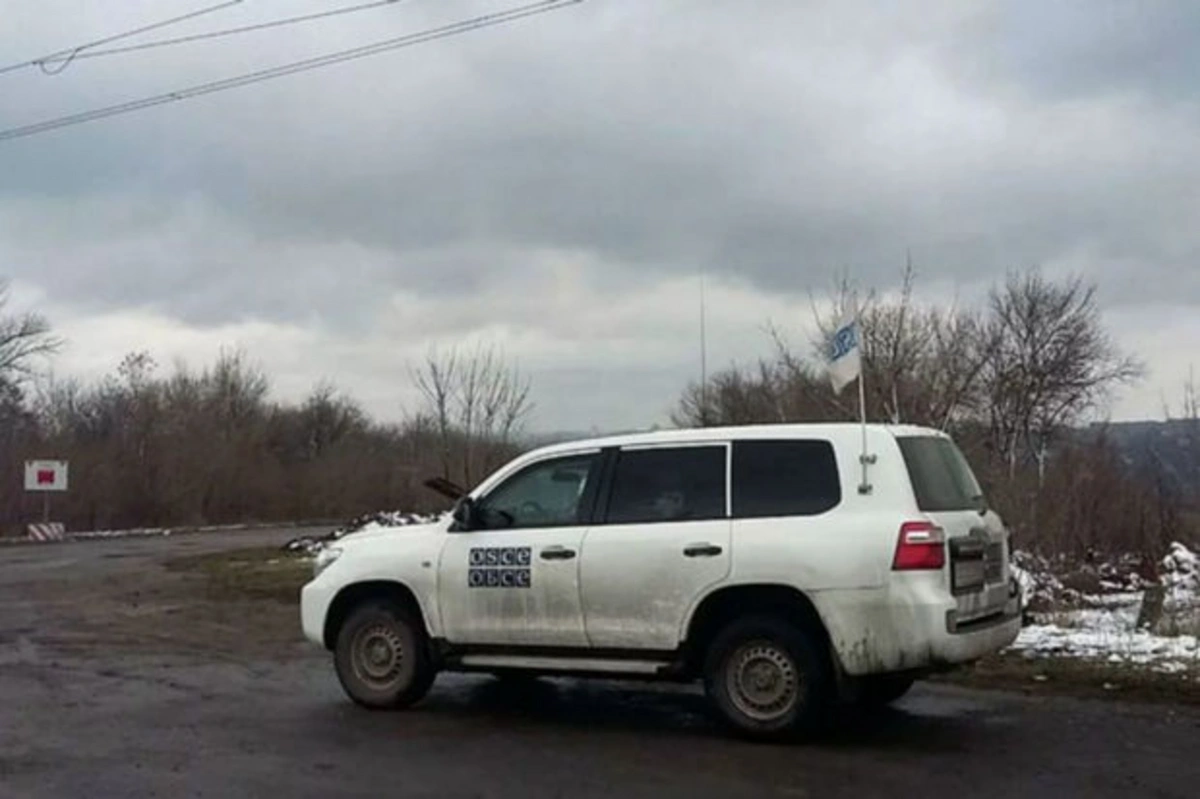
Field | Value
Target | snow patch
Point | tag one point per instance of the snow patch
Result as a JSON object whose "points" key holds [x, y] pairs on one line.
{"points": [[1181, 561], [1181, 578], [311, 545], [1103, 625], [1112, 644]]}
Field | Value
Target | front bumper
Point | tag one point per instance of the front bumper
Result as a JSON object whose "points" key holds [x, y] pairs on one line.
{"points": [[315, 599]]}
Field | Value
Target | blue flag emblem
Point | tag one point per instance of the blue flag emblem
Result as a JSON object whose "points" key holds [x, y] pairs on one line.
{"points": [[845, 341]]}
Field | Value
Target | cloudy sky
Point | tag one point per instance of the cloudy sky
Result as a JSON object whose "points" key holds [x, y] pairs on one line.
{"points": [[559, 186]]}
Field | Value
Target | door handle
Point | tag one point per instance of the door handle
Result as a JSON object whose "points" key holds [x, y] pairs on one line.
{"points": [[557, 553], [702, 551]]}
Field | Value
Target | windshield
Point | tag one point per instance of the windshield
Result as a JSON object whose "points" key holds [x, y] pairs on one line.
{"points": [[941, 476]]}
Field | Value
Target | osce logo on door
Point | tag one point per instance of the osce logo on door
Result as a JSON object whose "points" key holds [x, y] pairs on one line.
{"points": [[499, 567]]}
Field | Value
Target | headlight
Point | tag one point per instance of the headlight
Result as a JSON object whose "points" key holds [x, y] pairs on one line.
{"points": [[325, 559]]}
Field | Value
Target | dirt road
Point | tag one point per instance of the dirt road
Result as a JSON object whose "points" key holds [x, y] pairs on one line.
{"points": [[120, 678]]}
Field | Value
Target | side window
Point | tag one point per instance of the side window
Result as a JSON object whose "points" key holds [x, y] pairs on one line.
{"points": [[784, 478], [663, 485], [546, 494]]}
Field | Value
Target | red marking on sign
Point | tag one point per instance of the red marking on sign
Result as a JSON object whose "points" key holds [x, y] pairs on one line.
{"points": [[45, 477]]}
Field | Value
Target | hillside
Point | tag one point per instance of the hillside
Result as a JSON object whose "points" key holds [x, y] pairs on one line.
{"points": [[1173, 446]]}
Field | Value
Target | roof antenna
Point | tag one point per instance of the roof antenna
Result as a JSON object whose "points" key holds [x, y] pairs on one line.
{"points": [[703, 355]]}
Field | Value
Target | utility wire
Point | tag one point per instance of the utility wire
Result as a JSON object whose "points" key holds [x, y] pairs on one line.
{"points": [[65, 57], [196, 37], [432, 34]]}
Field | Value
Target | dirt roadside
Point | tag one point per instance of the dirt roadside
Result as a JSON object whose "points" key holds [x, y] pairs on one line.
{"points": [[133, 597]]}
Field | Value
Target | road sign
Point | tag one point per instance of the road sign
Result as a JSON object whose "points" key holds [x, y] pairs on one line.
{"points": [[45, 475]]}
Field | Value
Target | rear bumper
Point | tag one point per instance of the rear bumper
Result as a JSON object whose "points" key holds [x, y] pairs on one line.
{"points": [[969, 642], [877, 631]]}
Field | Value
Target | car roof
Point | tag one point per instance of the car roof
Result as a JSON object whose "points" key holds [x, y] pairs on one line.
{"points": [[745, 432]]}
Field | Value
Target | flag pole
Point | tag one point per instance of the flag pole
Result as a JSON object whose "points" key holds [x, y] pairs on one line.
{"points": [[865, 487], [865, 458], [845, 352]]}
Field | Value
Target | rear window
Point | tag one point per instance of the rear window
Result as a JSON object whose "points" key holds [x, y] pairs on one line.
{"points": [[941, 476], [784, 478]]}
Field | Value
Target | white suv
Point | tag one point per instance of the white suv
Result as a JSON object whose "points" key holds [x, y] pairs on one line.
{"points": [[754, 558]]}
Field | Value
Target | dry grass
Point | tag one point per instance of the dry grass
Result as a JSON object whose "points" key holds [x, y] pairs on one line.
{"points": [[260, 573]]}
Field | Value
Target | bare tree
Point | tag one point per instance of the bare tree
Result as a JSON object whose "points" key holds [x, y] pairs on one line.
{"points": [[436, 380], [920, 366], [23, 339], [1048, 361], [920, 363], [328, 418], [1190, 410], [477, 401], [734, 396]]}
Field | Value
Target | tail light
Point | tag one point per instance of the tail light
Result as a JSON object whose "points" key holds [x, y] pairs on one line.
{"points": [[921, 546]]}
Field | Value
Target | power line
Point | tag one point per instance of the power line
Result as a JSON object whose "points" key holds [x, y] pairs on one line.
{"points": [[65, 57], [432, 34], [196, 37]]}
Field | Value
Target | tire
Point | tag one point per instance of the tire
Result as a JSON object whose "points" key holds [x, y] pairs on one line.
{"points": [[382, 657], [768, 679], [881, 690]]}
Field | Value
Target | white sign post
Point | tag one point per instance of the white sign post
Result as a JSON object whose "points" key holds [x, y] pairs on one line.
{"points": [[46, 477]]}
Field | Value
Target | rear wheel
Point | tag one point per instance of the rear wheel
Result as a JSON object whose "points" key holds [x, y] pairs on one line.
{"points": [[767, 678], [883, 689], [382, 656]]}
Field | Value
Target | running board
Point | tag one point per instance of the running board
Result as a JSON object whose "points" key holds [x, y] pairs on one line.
{"points": [[542, 663]]}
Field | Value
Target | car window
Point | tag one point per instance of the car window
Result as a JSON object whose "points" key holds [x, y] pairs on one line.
{"points": [[660, 485], [784, 478], [941, 476], [546, 494]]}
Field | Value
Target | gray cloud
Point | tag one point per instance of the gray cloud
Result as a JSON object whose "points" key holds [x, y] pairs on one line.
{"points": [[767, 143], [1079, 48]]}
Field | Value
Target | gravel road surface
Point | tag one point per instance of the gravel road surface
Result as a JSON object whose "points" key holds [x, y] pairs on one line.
{"points": [[120, 678]]}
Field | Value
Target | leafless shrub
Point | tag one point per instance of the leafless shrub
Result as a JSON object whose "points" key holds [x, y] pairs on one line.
{"points": [[1048, 362], [1012, 379], [477, 401]]}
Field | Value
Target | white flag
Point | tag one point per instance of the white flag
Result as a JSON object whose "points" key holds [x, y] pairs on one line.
{"points": [[845, 357]]}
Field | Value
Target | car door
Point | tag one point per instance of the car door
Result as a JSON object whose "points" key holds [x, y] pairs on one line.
{"points": [[664, 540], [514, 578]]}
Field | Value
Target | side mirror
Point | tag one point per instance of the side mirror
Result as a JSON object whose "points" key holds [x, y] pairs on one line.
{"points": [[465, 515]]}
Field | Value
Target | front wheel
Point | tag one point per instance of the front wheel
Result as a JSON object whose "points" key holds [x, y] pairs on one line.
{"points": [[767, 678], [382, 657]]}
